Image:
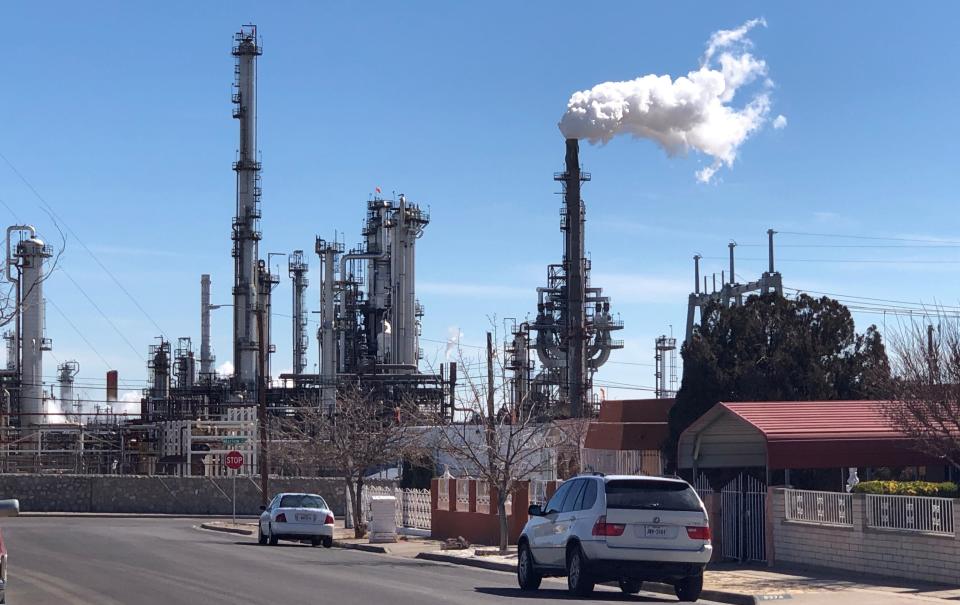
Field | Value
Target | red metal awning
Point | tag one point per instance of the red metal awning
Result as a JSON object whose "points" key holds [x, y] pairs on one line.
{"points": [[823, 434]]}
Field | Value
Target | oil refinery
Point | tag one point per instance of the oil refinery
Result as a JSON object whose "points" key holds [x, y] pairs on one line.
{"points": [[369, 333]]}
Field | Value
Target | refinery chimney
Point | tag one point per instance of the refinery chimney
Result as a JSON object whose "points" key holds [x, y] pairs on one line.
{"points": [[573, 262], [246, 225]]}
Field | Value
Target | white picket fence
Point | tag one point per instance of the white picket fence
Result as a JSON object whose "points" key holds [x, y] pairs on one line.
{"points": [[413, 505]]}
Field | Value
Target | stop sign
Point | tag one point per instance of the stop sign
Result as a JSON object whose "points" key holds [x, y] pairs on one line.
{"points": [[234, 460]]}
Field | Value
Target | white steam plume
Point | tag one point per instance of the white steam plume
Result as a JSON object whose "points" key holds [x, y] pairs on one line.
{"points": [[689, 112]]}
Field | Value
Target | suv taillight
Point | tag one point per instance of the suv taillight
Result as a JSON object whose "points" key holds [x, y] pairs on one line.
{"points": [[602, 528], [281, 518], [328, 520], [697, 532]]}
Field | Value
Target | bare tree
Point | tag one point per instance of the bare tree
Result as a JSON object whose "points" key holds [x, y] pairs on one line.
{"points": [[926, 403], [569, 435], [362, 435], [501, 442]]}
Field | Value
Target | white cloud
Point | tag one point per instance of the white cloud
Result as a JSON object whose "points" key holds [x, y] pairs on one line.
{"points": [[689, 112], [780, 122], [225, 368]]}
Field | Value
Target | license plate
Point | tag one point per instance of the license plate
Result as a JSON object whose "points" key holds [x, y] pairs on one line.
{"points": [[657, 531], [304, 517]]}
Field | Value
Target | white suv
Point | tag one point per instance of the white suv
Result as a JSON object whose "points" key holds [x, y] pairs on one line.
{"points": [[618, 527]]}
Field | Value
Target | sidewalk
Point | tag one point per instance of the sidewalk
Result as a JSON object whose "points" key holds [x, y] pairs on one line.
{"points": [[726, 583]]}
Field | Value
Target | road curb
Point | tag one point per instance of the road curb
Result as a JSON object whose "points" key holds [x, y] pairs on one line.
{"points": [[382, 550], [227, 530], [40, 515], [723, 596]]}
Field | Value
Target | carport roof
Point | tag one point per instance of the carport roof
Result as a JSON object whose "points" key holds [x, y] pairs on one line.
{"points": [[817, 434], [817, 420]]}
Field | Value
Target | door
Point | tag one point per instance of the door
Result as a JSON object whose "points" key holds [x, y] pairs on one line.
{"points": [[542, 528], [743, 519], [566, 521]]}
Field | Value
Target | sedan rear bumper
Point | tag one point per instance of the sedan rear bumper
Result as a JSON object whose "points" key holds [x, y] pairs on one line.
{"points": [[302, 530]]}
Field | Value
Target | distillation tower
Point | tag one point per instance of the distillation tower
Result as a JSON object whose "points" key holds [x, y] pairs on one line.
{"points": [[297, 269], [246, 224], [369, 313], [206, 356], [25, 271], [573, 332]]}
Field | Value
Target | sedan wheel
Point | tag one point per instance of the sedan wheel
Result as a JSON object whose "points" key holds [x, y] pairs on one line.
{"points": [[273, 539], [261, 539]]}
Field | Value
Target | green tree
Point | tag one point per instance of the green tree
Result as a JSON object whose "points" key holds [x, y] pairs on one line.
{"points": [[776, 349]]}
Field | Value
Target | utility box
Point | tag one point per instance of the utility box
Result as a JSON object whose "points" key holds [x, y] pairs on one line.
{"points": [[383, 519]]}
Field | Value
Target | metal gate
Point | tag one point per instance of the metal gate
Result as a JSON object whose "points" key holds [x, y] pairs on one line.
{"points": [[743, 519]]}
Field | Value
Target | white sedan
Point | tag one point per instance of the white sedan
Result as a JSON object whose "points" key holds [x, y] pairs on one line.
{"points": [[300, 517]]}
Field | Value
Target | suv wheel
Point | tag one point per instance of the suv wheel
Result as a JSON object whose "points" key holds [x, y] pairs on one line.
{"points": [[689, 589], [630, 586], [527, 575], [579, 580]]}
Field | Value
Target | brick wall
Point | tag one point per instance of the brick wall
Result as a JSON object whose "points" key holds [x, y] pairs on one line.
{"points": [[478, 527], [909, 555], [157, 494]]}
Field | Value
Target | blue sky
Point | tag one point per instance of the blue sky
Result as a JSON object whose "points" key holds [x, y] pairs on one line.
{"points": [[119, 115]]}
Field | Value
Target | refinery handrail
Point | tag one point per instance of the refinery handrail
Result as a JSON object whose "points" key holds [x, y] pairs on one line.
{"points": [[818, 507]]}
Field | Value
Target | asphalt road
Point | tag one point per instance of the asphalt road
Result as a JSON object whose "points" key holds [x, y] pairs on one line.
{"points": [[97, 561]]}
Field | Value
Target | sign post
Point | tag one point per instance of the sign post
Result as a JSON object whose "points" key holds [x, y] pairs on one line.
{"points": [[234, 462]]}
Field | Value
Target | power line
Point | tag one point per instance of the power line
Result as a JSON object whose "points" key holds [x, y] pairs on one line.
{"points": [[847, 260], [96, 259], [870, 237], [102, 314], [79, 333]]}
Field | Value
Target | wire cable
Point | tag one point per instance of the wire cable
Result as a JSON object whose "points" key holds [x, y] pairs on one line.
{"points": [[96, 259]]}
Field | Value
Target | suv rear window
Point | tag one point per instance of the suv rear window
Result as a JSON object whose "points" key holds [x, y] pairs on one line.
{"points": [[643, 494]]}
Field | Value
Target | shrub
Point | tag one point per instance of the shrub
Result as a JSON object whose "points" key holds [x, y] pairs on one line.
{"points": [[908, 488]]}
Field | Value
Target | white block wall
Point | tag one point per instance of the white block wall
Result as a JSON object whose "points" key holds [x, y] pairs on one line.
{"points": [[909, 555]]}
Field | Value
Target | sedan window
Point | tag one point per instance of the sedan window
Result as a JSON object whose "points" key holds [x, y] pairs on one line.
{"points": [[302, 501]]}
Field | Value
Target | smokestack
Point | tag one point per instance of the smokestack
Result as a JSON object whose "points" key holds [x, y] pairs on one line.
{"points": [[112, 383], [576, 290]]}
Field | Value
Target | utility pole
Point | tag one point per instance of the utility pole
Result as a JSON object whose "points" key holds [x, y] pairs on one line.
{"points": [[262, 409], [491, 421]]}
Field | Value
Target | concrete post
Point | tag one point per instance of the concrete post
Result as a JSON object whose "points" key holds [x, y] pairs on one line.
{"points": [[956, 519], [452, 494]]}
